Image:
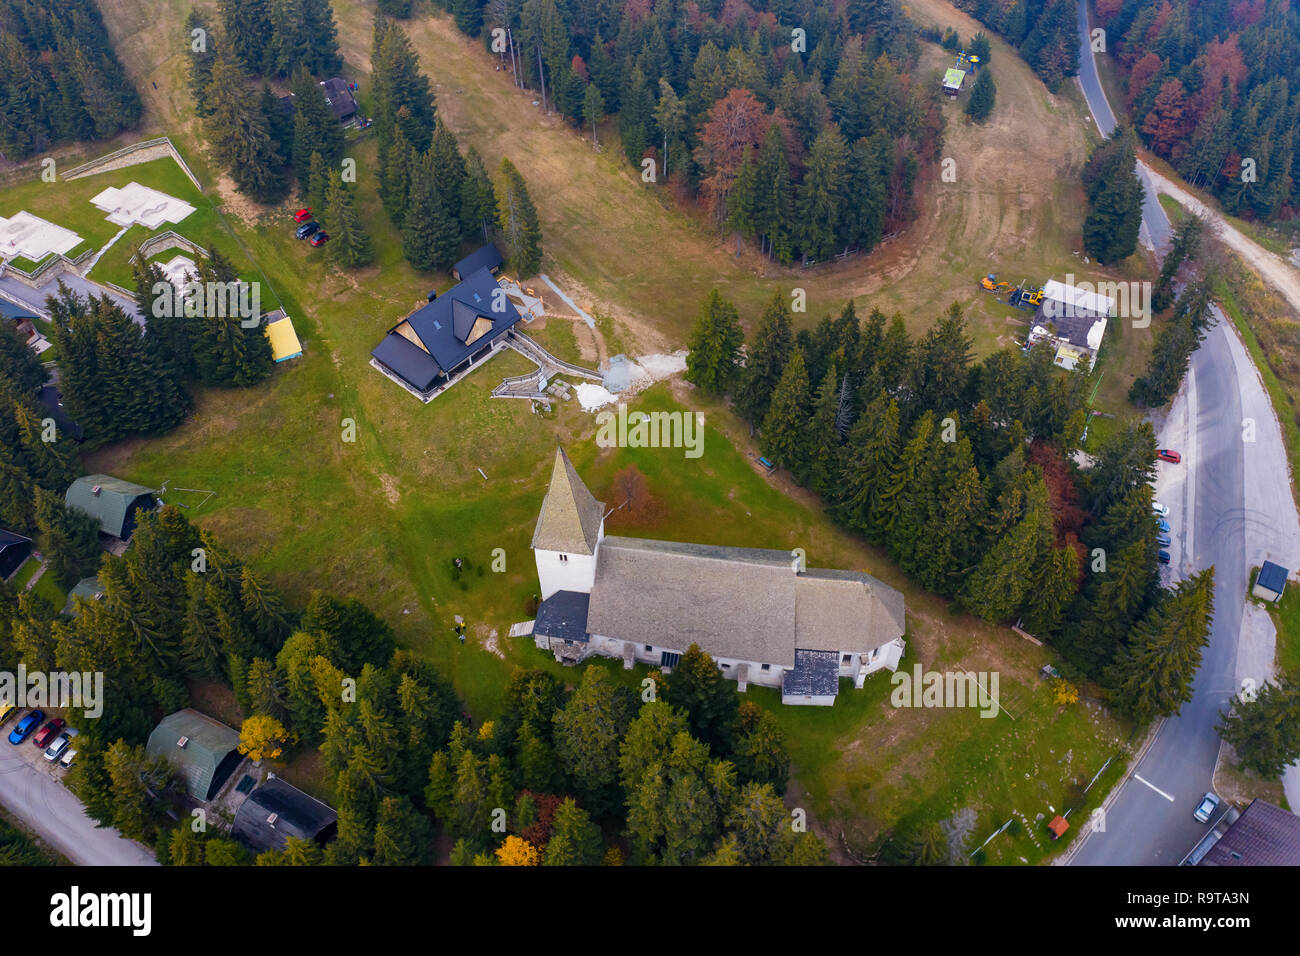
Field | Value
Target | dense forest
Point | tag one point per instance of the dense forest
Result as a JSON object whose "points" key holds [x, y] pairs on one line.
{"points": [[62, 81], [1044, 31], [806, 141], [1214, 88], [965, 473]]}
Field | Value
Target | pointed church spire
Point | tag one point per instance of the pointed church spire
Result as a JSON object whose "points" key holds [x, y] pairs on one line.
{"points": [[570, 517]]}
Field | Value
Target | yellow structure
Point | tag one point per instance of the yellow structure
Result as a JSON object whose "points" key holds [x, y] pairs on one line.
{"points": [[284, 340]]}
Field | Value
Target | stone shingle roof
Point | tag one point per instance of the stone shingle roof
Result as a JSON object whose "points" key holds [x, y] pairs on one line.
{"points": [[563, 615], [815, 674], [738, 603], [570, 518]]}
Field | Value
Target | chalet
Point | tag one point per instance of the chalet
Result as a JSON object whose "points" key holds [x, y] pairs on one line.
{"points": [[1270, 582], [112, 501], [340, 99], [14, 550], [1073, 321], [276, 811], [758, 613], [435, 346], [20, 318], [204, 751], [489, 257]]}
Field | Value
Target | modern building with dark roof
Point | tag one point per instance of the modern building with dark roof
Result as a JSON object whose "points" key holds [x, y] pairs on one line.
{"points": [[1270, 582], [489, 257], [276, 811], [1073, 319], [203, 750], [112, 501], [14, 550], [433, 347], [758, 613], [1264, 835]]}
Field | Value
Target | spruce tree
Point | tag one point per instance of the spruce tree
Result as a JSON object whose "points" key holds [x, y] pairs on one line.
{"points": [[519, 222], [765, 360], [395, 184], [712, 362], [983, 94], [349, 242], [866, 462], [315, 130], [237, 130], [1264, 728], [478, 204], [448, 169], [784, 436], [822, 195], [430, 238], [1152, 675], [824, 436]]}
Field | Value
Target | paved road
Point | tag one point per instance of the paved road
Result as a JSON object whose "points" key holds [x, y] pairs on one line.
{"points": [[35, 298], [1149, 820], [49, 809]]}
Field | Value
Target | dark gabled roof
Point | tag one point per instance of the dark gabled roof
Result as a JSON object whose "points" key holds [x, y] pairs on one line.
{"points": [[409, 361], [276, 811], [339, 97], [208, 744], [444, 325], [563, 615], [488, 257], [1272, 576], [111, 500], [9, 538], [815, 674], [1264, 835]]}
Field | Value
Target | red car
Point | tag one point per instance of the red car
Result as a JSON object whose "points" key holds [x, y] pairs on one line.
{"points": [[302, 215], [320, 238], [1168, 454], [49, 732]]}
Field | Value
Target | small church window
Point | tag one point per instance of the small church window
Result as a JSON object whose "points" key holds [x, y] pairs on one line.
{"points": [[848, 659]]}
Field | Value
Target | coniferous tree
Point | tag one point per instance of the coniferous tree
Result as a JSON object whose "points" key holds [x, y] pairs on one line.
{"points": [[519, 222], [241, 141], [315, 130], [824, 436], [448, 169], [478, 204], [1264, 727], [983, 95], [1152, 675], [784, 437], [822, 197], [68, 538], [349, 242], [765, 360], [593, 109], [430, 238], [395, 185], [1110, 230], [712, 362], [868, 457], [1185, 246], [575, 840]]}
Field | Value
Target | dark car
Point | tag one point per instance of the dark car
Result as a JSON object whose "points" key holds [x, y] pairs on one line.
{"points": [[306, 229], [1163, 557], [1168, 454], [49, 732], [320, 238], [25, 727], [302, 215], [1163, 540]]}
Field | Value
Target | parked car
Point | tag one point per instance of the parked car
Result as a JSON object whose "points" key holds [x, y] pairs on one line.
{"points": [[1161, 510], [1168, 454], [55, 750], [302, 215], [1163, 525], [320, 238], [1209, 803], [6, 711], [25, 727], [1163, 540], [306, 229], [49, 732], [66, 760], [1162, 557]]}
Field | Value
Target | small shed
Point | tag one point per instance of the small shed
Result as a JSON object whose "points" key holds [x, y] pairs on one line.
{"points": [[204, 751], [1270, 582], [284, 340], [952, 81], [276, 811], [338, 94], [814, 680], [1058, 826], [113, 501], [14, 550]]}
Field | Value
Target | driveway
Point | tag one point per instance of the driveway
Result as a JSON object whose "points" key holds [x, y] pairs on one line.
{"points": [[35, 298], [33, 794]]}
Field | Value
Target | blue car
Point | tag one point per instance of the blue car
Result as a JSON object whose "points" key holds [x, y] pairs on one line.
{"points": [[1163, 557], [1163, 525], [1163, 540], [25, 727]]}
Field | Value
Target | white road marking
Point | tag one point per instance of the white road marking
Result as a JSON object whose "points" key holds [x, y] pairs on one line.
{"points": [[1138, 778]]}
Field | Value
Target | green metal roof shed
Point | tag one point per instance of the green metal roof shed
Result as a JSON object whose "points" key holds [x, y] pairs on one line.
{"points": [[111, 500], [203, 750]]}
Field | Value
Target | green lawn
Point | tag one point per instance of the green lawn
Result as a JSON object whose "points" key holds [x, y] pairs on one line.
{"points": [[1286, 618], [46, 587]]}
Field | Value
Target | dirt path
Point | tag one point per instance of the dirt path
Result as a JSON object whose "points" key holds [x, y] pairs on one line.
{"points": [[1271, 267]]}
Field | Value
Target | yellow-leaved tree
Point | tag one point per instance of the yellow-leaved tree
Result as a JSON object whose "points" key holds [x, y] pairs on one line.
{"points": [[262, 737], [518, 852]]}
